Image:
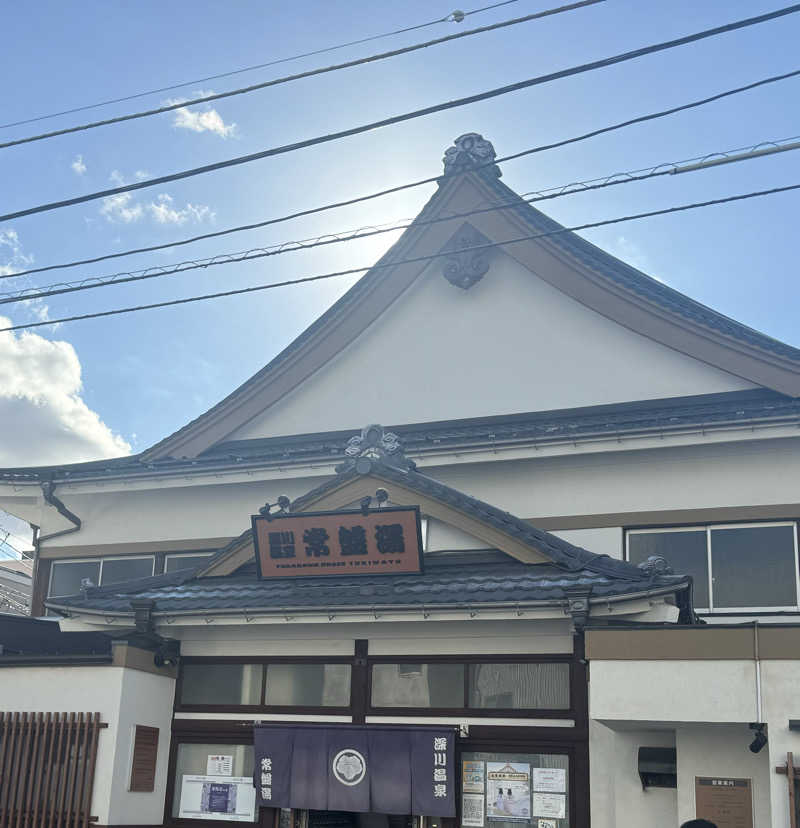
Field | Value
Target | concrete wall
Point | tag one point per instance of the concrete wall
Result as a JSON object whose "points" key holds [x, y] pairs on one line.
{"points": [[617, 797], [512, 343], [721, 750], [123, 697]]}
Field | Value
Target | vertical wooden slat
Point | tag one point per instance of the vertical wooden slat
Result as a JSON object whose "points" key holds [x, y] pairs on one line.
{"points": [[37, 766], [69, 800], [80, 784], [23, 777], [16, 742], [790, 780], [95, 735], [47, 766], [30, 766], [5, 751], [65, 768], [55, 757]]}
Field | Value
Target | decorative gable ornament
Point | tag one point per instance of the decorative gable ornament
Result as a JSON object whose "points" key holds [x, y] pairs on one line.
{"points": [[471, 151], [374, 445], [464, 266]]}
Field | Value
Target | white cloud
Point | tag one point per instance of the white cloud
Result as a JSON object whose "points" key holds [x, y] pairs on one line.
{"points": [[205, 120], [121, 208], [78, 167], [45, 419], [11, 251], [164, 213]]}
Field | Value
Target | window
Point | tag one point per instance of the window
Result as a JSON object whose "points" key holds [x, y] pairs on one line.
{"points": [[265, 685], [221, 684], [66, 576], [308, 685], [192, 761], [511, 686], [746, 566], [176, 562]]}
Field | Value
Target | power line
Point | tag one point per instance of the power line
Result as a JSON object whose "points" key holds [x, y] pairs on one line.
{"points": [[661, 169], [453, 17], [300, 75], [432, 179], [575, 70], [382, 265]]}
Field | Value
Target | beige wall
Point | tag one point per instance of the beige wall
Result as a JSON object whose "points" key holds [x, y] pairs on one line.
{"points": [[124, 698]]}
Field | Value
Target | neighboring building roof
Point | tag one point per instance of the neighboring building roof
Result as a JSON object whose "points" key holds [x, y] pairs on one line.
{"points": [[452, 579], [17, 567], [35, 640], [541, 428]]}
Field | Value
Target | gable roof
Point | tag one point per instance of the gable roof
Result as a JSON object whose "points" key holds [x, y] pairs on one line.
{"points": [[552, 571], [576, 267]]}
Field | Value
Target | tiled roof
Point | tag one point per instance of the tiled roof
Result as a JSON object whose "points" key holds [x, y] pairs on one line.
{"points": [[652, 416], [453, 580]]}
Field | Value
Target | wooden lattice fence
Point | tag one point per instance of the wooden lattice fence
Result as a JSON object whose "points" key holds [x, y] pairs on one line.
{"points": [[47, 763]]}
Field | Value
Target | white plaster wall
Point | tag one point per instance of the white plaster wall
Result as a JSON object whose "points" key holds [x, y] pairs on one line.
{"points": [[606, 541], [512, 343], [146, 699], [721, 750], [123, 697], [398, 638], [721, 475], [780, 681], [616, 795], [672, 691]]}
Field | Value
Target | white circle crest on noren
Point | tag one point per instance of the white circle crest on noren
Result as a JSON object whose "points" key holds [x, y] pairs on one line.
{"points": [[349, 767]]}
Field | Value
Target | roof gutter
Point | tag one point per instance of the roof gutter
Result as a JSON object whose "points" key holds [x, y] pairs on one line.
{"points": [[297, 612], [48, 489]]}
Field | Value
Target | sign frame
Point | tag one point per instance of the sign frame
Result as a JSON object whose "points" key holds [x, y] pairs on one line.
{"points": [[259, 519]]}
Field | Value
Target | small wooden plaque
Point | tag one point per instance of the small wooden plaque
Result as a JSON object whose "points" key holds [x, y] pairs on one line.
{"points": [[726, 802], [145, 756]]}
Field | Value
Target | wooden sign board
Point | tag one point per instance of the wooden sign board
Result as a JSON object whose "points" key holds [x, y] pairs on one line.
{"points": [[726, 802], [338, 543]]}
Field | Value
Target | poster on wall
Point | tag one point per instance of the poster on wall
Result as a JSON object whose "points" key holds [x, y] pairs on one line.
{"points": [[551, 780], [726, 802], [546, 823], [217, 765], [231, 798], [472, 806], [550, 805], [472, 776], [508, 791]]}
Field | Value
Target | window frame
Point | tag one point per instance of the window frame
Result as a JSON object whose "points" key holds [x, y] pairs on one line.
{"points": [[570, 712], [262, 707], [170, 555], [99, 560], [708, 528]]}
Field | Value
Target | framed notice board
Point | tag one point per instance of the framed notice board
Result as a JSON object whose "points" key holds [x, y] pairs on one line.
{"points": [[726, 802]]}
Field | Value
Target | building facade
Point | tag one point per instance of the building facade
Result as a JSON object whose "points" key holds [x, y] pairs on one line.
{"points": [[519, 371]]}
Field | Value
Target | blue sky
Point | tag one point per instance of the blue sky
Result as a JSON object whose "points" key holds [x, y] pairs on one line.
{"points": [[144, 375]]}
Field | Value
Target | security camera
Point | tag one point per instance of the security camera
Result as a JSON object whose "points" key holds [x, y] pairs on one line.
{"points": [[760, 739]]}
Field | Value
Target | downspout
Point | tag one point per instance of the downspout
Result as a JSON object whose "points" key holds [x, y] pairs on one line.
{"points": [[48, 489], [757, 660]]}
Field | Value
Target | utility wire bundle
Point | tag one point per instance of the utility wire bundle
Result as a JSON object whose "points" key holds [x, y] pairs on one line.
{"points": [[638, 175]]}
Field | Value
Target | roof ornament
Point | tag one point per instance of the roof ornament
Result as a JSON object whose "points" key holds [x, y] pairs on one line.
{"points": [[374, 446], [470, 151], [284, 506], [464, 266], [655, 565]]}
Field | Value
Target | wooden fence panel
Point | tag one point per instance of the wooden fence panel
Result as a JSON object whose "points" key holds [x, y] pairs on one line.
{"points": [[47, 764]]}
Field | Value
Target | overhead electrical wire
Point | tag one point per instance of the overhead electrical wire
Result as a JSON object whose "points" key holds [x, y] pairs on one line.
{"points": [[358, 199], [458, 102], [413, 260], [664, 168], [453, 17], [300, 75]]}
